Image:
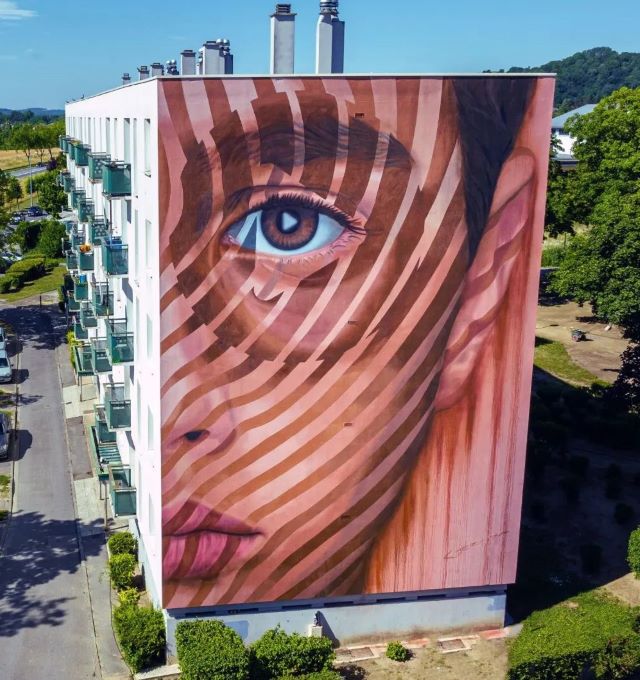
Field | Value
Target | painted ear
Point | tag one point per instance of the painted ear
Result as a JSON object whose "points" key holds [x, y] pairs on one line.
{"points": [[488, 277]]}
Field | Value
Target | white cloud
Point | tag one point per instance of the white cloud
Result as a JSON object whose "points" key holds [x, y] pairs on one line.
{"points": [[9, 11]]}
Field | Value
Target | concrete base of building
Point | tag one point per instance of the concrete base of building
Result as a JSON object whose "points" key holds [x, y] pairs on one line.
{"points": [[355, 620]]}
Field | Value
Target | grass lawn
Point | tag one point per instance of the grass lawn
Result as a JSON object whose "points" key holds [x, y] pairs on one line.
{"points": [[12, 159], [52, 281], [552, 357]]}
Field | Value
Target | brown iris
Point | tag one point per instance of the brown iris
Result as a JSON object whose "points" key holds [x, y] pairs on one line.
{"points": [[289, 228]]}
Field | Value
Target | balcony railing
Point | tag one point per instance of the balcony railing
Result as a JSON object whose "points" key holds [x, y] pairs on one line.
{"points": [[80, 153], [73, 304], [96, 161], [123, 494], [102, 300], [80, 332], [68, 182], [78, 237], [85, 259], [85, 209], [63, 142], [80, 288], [83, 360], [105, 435], [115, 257], [100, 354], [98, 229], [116, 179], [88, 317], [119, 342], [76, 196], [62, 176], [117, 407], [71, 260]]}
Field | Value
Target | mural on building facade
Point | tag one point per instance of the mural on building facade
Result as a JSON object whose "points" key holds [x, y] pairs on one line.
{"points": [[349, 278]]}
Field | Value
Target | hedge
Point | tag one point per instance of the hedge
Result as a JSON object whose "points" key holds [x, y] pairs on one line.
{"points": [[320, 675], [121, 570], [563, 641], [141, 635], [30, 268], [277, 655], [633, 552], [122, 542], [209, 650]]}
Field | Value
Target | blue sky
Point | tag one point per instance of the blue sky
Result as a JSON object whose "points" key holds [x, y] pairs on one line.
{"points": [[54, 50]]}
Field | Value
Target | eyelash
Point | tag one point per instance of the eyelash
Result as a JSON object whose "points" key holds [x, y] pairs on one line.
{"points": [[349, 223]]}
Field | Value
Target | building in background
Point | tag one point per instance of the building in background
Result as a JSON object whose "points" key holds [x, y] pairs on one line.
{"points": [[310, 327], [565, 154]]}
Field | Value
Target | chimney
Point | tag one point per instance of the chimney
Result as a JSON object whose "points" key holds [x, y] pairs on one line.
{"points": [[212, 60], [143, 72], [329, 39], [227, 57], [171, 67], [283, 29], [157, 69], [188, 63], [126, 78]]}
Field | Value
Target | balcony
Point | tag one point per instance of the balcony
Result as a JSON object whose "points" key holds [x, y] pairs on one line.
{"points": [[71, 260], [63, 141], [78, 237], [116, 179], [68, 183], [96, 161], [80, 288], [117, 407], [98, 229], [80, 153], [100, 355], [85, 258], [119, 342], [87, 317], [76, 196], [61, 178], [115, 257], [102, 300], [80, 332], [103, 444], [73, 305], [83, 360], [85, 209], [123, 494]]}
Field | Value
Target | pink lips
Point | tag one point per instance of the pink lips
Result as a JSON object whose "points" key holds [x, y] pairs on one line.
{"points": [[199, 542]]}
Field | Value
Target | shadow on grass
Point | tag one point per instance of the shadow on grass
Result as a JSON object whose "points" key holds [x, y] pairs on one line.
{"points": [[581, 494]]}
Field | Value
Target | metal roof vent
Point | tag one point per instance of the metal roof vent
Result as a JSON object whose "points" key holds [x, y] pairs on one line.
{"points": [[283, 9], [143, 72], [329, 7], [126, 78], [157, 69]]}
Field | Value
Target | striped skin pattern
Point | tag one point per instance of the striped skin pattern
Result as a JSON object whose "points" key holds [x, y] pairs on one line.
{"points": [[314, 267]]}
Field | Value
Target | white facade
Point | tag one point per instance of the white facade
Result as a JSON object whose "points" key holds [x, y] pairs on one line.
{"points": [[123, 123]]}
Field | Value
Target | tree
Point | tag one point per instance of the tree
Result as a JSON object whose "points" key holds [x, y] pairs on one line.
{"points": [[602, 265], [50, 196], [14, 192], [50, 242], [558, 217]]}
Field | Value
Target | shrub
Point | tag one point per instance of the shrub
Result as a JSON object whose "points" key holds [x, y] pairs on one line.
{"points": [[396, 651], [623, 513], [129, 596], [633, 552], [591, 558], [209, 650], [320, 675], [121, 570], [29, 268], [141, 635], [619, 659], [122, 542], [552, 256], [5, 284], [562, 641], [277, 654]]}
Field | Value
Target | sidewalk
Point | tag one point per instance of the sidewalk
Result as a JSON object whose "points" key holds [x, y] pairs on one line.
{"points": [[93, 514]]}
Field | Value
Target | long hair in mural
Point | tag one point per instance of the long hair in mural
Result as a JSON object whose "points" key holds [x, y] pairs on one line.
{"points": [[349, 275]]}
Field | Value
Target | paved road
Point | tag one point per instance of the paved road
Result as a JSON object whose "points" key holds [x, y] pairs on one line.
{"points": [[21, 173], [45, 620]]}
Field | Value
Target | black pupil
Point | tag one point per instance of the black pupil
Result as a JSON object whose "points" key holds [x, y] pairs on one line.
{"points": [[288, 221]]}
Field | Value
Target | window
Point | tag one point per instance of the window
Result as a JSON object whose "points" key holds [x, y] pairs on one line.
{"points": [[150, 431], [134, 164], [107, 134], [147, 244], [138, 415], [149, 338], [147, 146], [127, 140], [136, 245]]}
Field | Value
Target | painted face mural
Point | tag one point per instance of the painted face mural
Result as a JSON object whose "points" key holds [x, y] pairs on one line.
{"points": [[349, 272]]}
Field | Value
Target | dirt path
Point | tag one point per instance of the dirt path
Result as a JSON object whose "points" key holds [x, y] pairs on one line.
{"points": [[599, 354]]}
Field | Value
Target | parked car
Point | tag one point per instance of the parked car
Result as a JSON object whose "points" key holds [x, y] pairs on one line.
{"points": [[35, 211], [6, 373], [3, 339], [5, 434]]}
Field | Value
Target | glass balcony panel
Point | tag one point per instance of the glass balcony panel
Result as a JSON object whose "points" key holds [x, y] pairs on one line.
{"points": [[68, 182], [62, 139], [76, 196], [80, 332], [71, 260], [78, 237], [100, 353], [119, 342], [88, 317], [96, 161], [73, 305], [102, 300], [85, 209], [115, 257], [116, 179], [81, 288], [62, 177], [81, 154], [117, 407], [121, 491], [105, 435], [85, 259], [98, 229], [83, 360]]}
